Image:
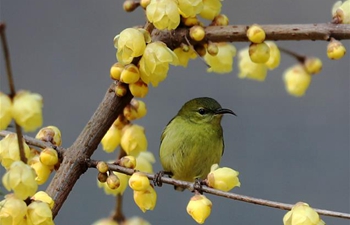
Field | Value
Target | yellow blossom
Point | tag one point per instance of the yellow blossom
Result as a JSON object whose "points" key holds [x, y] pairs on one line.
{"points": [[190, 8], [116, 70], [335, 49], [341, 12], [113, 181], [133, 139], [154, 64], [296, 80], [135, 221], [144, 162], [130, 74], [211, 8], [221, 62], [128, 161], [259, 53], [220, 20], [248, 69], [12, 210], [27, 110], [102, 167], [163, 14], [302, 214], [197, 33], [130, 43], [111, 139], [184, 56], [49, 157], [21, 179], [139, 89], [50, 134], [105, 221], [139, 182], [275, 56], [43, 197], [146, 199], [135, 110], [5, 111], [223, 178], [199, 207], [39, 213], [120, 190], [9, 150], [313, 65], [256, 34], [42, 171]]}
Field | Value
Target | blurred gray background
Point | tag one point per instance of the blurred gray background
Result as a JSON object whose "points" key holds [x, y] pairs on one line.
{"points": [[286, 149]]}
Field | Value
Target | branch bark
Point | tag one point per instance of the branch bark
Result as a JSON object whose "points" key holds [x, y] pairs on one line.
{"points": [[73, 164], [276, 32]]}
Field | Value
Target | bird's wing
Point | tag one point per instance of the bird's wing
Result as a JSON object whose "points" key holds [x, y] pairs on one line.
{"points": [[165, 131]]}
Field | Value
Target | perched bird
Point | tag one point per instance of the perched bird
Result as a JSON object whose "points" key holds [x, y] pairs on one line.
{"points": [[193, 140]]}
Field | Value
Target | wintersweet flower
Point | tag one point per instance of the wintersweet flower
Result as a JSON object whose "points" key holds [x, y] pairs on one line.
{"points": [[199, 207], [144, 162], [211, 8], [259, 53], [39, 213], [139, 182], [128, 161], [341, 12], [50, 134], [296, 80], [275, 55], [21, 179], [184, 56], [139, 89], [133, 139], [9, 150], [12, 210], [42, 171], [223, 178], [154, 64], [313, 65], [27, 110], [302, 214], [48, 157], [111, 139], [190, 8], [223, 61], [130, 43], [5, 111], [43, 197], [335, 49], [256, 34], [146, 199], [164, 14], [249, 69]]}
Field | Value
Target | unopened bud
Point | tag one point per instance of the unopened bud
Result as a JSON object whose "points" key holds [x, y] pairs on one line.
{"points": [[128, 162], [102, 167], [102, 177], [113, 181], [120, 89], [116, 71], [197, 33], [259, 53]]}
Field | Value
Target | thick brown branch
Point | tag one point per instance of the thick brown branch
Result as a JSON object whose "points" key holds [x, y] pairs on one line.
{"points": [[73, 164], [191, 186], [276, 32]]}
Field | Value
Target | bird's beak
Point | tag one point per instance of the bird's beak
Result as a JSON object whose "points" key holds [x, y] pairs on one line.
{"points": [[224, 111]]}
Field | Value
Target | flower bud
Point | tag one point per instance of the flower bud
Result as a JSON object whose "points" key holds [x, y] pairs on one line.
{"points": [[139, 182], [39, 213], [302, 213], [5, 111], [111, 139], [130, 74], [123, 178], [133, 139], [113, 181], [259, 53], [102, 167], [43, 197], [296, 80], [102, 177], [21, 179], [42, 171], [335, 49], [313, 65], [223, 178], [199, 207], [200, 49], [128, 162], [197, 33], [116, 71], [49, 157], [144, 3], [220, 20], [146, 199], [120, 122], [190, 21], [27, 110], [50, 134], [138, 89], [256, 34], [212, 49], [130, 5]]}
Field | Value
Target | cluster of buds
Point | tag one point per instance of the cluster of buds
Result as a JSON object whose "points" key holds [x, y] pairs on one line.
{"points": [[25, 108], [14, 210]]}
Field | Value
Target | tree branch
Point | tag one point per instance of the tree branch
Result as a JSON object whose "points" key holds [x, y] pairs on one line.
{"points": [[73, 164], [275, 32]]}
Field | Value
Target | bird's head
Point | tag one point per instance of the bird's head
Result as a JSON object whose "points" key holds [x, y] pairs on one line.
{"points": [[203, 110]]}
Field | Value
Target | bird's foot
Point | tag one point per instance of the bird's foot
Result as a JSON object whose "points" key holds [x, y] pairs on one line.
{"points": [[198, 185], [157, 180]]}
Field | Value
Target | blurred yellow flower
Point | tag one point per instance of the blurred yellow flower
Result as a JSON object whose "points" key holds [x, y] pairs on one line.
{"points": [[296, 80], [5, 111], [223, 61], [211, 8], [341, 12], [42, 171], [190, 8], [184, 56], [9, 150], [111, 139], [144, 162], [133, 139], [12, 210], [249, 69], [275, 55], [39, 213]]}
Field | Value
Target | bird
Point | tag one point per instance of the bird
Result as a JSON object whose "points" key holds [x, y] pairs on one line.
{"points": [[193, 140]]}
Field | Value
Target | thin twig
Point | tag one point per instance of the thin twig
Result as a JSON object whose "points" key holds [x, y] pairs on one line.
{"points": [[12, 88], [191, 186], [297, 56]]}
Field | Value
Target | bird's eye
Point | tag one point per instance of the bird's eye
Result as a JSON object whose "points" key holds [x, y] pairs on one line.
{"points": [[202, 111]]}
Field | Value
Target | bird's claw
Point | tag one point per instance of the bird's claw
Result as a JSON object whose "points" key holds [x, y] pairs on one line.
{"points": [[157, 180]]}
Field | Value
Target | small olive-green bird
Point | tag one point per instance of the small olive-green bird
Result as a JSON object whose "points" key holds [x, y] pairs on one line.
{"points": [[193, 140]]}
